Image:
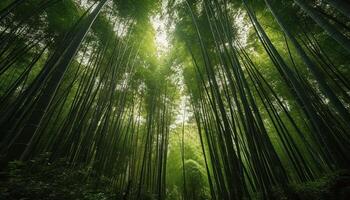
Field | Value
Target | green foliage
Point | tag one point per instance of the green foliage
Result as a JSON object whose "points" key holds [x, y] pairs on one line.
{"points": [[331, 186], [138, 10], [114, 111], [62, 16], [196, 182], [41, 179]]}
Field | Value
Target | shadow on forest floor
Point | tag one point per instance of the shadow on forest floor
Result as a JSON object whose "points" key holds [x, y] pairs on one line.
{"points": [[41, 180]]}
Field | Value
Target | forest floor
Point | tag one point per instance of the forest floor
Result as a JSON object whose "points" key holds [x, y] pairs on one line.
{"points": [[41, 180]]}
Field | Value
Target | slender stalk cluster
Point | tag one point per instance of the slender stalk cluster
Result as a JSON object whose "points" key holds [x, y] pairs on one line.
{"points": [[250, 137], [84, 83], [84, 98]]}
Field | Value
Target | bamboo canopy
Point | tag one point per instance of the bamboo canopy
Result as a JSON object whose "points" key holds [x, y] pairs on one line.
{"points": [[176, 99]]}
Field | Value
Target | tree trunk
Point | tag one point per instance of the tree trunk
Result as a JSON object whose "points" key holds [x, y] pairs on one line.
{"points": [[23, 141], [331, 30], [311, 65], [10, 8], [342, 5]]}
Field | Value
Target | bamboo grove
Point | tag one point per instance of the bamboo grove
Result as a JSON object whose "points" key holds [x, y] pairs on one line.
{"points": [[249, 96]]}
